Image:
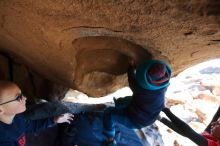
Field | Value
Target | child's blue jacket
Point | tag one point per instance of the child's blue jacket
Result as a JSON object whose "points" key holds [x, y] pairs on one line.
{"points": [[14, 134]]}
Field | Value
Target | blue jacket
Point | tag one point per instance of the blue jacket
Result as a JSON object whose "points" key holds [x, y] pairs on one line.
{"points": [[145, 105], [14, 134]]}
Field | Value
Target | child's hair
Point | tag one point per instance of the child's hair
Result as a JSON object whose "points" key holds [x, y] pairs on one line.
{"points": [[4, 85], [153, 74]]}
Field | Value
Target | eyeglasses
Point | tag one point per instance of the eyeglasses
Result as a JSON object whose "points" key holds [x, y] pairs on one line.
{"points": [[18, 98]]}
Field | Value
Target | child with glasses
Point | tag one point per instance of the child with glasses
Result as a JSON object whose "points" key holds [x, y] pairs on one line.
{"points": [[148, 83], [13, 124], [203, 139]]}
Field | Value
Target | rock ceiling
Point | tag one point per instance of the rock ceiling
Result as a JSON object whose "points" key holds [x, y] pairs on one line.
{"points": [[87, 44]]}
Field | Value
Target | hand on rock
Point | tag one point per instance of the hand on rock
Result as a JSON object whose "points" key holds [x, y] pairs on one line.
{"points": [[67, 117]]}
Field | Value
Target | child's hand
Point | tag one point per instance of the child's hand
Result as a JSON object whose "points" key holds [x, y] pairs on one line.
{"points": [[215, 122], [67, 117]]}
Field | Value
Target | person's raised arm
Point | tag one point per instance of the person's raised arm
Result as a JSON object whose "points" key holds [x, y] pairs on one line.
{"points": [[33, 126], [182, 128], [131, 76], [215, 118]]}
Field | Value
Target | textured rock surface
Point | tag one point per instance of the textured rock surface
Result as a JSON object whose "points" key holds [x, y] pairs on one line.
{"points": [[32, 85], [86, 45]]}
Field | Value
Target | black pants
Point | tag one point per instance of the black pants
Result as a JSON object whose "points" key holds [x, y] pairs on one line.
{"points": [[182, 128], [215, 118]]}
